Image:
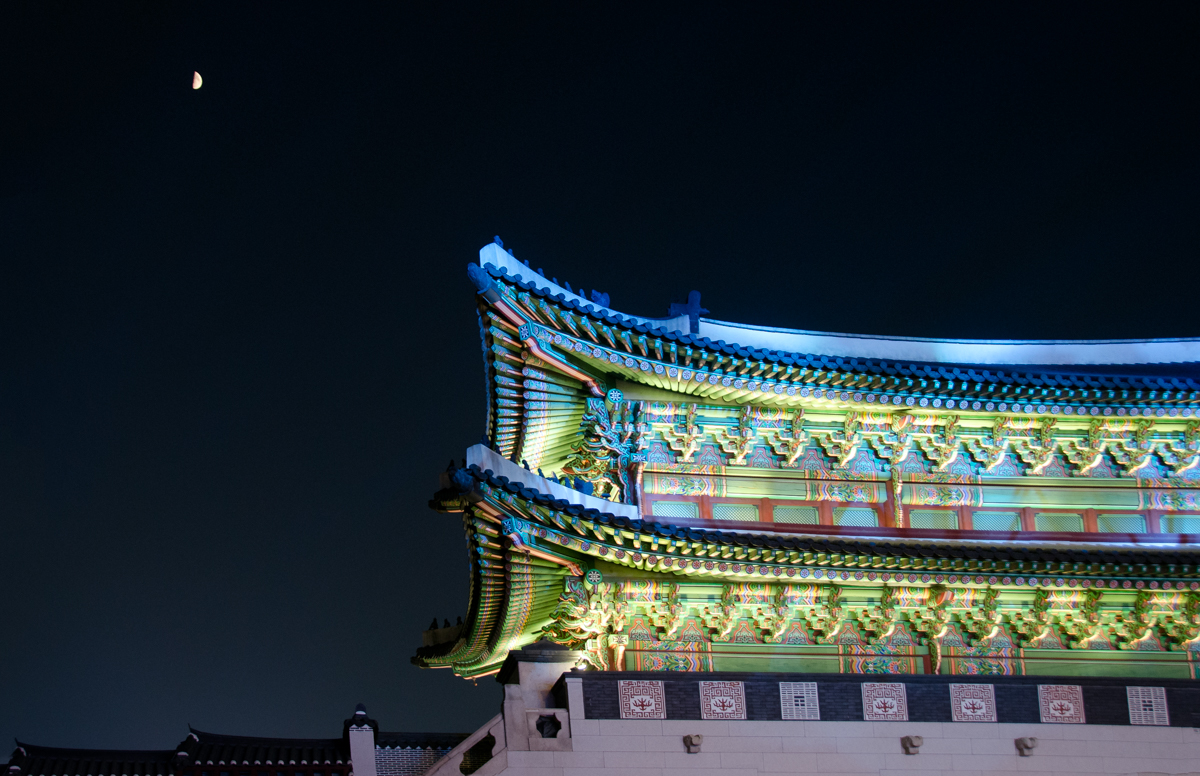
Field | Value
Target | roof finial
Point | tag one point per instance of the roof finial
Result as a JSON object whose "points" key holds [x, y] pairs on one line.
{"points": [[691, 309], [498, 241], [360, 709]]}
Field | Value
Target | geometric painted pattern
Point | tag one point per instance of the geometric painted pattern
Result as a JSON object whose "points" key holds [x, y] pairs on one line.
{"points": [[1147, 706], [1061, 703], [973, 702], [642, 699], [884, 702], [798, 700], [722, 700]]}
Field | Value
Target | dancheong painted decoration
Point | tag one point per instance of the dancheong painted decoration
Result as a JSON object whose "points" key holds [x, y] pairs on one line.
{"points": [[686, 494]]}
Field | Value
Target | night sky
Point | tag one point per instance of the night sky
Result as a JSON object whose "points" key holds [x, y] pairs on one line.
{"points": [[239, 342]]}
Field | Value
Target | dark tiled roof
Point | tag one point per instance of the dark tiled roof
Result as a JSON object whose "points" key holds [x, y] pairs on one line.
{"points": [[1153, 377], [420, 740], [31, 760], [213, 749], [198, 749]]}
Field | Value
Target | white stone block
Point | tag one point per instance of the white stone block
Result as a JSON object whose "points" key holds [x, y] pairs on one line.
{"points": [[742, 760], [609, 743], [532, 772], [736, 743], [921, 763], [810, 744], [574, 697], [790, 762], [530, 759], [889, 745], [686, 727], [1000, 746], [630, 727], [987, 763], [969, 730], [640, 759], [703, 760], [579, 759], [1012, 730], [842, 762], [584, 727], [763, 728], [842, 729], [897, 729]]}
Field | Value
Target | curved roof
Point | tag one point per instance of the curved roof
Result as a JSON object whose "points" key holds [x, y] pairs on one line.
{"points": [[1088, 356], [1034, 353]]}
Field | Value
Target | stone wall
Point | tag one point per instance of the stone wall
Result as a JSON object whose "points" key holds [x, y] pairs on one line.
{"points": [[1116, 739]]}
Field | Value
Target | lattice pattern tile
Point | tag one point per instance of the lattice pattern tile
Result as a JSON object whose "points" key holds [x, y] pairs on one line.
{"points": [[643, 699], [1061, 703], [722, 700], [884, 702], [973, 702], [798, 700], [1147, 706]]}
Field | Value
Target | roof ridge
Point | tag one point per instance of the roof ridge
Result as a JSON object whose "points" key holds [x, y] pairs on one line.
{"points": [[862, 364], [214, 738], [63, 750]]}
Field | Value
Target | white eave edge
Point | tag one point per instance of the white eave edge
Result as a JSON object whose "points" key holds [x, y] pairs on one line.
{"points": [[936, 351]]}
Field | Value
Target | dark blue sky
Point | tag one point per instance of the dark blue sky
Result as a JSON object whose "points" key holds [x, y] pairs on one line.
{"points": [[239, 343]]}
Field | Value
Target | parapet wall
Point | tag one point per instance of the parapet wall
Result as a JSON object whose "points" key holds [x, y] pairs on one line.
{"points": [[1035, 725]]}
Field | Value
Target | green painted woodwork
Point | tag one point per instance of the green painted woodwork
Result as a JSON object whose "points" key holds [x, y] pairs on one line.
{"points": [[661, 425]]}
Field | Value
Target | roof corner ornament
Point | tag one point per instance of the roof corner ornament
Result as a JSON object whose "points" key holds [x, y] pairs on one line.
{"points": [[611, 448], [691, 309], [483, 281]]}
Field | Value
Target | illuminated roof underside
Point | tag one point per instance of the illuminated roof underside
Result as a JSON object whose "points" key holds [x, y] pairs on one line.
{"points": [[619, 443]]}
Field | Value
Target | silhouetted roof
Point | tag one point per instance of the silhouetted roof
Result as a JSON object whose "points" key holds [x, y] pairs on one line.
{"points": [[33, 760], [218, 749]]}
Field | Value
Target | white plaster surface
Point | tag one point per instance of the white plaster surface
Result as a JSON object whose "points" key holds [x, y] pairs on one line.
{"points": [[732, 748], [951, 351]]}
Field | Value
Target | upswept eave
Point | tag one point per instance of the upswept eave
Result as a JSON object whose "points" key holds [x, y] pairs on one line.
{"points": [[654, 343], [538, 545]]}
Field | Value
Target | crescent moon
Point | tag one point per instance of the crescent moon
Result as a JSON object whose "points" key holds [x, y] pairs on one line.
{"points": [[197, 81]]}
